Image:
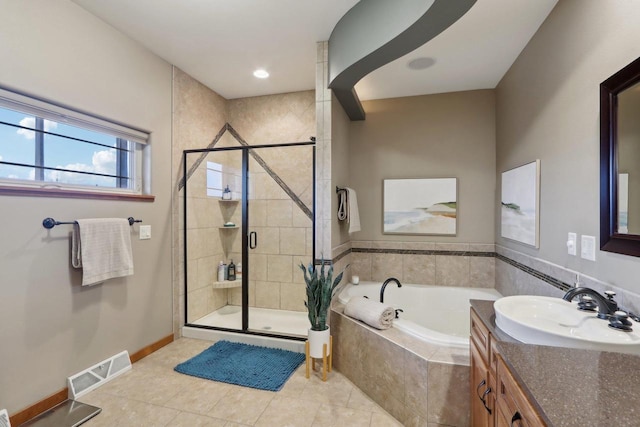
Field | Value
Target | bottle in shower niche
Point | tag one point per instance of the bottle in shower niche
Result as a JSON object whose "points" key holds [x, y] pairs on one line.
{"points": [[232, 271], [226, 194], [221, 270]]}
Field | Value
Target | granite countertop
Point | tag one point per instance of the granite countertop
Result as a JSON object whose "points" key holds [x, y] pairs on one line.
{"points": [[572, 387]]}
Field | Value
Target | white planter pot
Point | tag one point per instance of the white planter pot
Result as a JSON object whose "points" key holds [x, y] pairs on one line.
{"points": [[316, 340]]}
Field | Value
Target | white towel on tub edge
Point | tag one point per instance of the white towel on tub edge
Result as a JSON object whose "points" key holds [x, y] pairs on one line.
{"points": [[373, 313]]}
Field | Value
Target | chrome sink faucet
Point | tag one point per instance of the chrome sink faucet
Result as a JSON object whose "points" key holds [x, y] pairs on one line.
{"points": [[606, 306], [384, 285]]}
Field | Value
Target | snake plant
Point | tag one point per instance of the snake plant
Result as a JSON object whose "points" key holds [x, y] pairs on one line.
{"points": [[320, 290]]}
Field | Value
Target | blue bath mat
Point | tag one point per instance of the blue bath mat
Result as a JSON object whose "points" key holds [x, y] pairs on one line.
{"points": [[243, 364]]}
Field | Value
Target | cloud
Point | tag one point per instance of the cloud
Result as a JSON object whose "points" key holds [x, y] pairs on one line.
{"points": [[101, 162], [104, 161], [13, 176], [30, 122], [0, 158]]}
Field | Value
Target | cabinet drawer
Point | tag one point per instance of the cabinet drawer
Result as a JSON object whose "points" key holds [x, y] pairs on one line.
{"points": [[513, 406], [480, 336]]}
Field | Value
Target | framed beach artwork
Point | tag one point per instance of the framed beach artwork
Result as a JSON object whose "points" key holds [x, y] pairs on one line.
{"points": [[520, 210], [420, 206]]}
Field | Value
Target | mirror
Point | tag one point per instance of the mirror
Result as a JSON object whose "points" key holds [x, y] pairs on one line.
{"points": [[620, 161]]}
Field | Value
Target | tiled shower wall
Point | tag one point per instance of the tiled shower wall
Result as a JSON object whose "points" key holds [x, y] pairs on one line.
{"points": [[202, 118], [209, 243], [285, 239]]}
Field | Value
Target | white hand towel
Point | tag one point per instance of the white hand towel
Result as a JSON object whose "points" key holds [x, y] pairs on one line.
{"points": [[102, 248], [353, 212], [372, 313]]}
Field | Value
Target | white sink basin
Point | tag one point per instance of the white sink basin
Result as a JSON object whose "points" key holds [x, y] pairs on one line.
{"points": [[558, 323]]}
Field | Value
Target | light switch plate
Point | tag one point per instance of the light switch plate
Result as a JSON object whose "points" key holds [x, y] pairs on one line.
{"points": [[572, 243], [145, 232], [588, 248]]}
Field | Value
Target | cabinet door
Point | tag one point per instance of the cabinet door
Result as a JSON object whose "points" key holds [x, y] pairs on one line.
{"points": [[482, 393]]}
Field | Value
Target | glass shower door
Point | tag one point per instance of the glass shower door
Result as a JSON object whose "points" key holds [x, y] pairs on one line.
{"points": [[252, 207], [213, 222], [280, 237]]}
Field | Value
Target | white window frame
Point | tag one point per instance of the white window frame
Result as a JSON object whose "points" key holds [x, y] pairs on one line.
{"points": [[43, 109]]}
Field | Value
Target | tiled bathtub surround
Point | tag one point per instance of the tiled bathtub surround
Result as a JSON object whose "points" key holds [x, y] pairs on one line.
{"points": [[419, 384], [425, 263]]}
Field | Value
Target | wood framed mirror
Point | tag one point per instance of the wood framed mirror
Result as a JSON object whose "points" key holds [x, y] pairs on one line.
{"points": [[620, 161]]}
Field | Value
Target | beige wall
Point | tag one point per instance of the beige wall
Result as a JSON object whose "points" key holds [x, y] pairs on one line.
{"points": [[548, 109], [433, 136], [50, 326]]}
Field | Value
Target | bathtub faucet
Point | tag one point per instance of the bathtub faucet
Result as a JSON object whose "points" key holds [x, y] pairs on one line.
{"points": [[384, 285], [606, 306]]}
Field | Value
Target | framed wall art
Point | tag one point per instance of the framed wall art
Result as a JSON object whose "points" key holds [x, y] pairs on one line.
{"points": [[520, 204], [420, 206]]}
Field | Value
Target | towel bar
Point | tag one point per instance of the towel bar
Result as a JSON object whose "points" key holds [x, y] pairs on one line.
{"points": [[50, 222]]}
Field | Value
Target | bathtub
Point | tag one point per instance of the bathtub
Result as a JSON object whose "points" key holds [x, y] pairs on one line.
{"points": [[435, 314]]}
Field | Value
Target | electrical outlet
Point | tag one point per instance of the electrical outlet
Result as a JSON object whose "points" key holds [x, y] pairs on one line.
{"points": [[145, 232], [588, 248]]}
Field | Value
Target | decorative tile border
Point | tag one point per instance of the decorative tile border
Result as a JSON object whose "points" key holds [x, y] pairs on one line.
{"points": [[422, 252], [271, 173], [200, 159], [228, 128], [535, 273]]}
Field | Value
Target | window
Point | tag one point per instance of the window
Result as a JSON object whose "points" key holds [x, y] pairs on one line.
{"points": [[45, 145]]}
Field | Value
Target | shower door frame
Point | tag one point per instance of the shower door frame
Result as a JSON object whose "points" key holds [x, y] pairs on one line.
{"points": [[245, 232]]}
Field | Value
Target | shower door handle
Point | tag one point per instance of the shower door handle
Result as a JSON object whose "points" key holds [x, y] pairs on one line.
{"points": [[253, 240]]}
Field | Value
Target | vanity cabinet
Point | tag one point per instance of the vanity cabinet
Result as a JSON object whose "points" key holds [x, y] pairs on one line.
{"points": [[496, 398], [482, 376]]}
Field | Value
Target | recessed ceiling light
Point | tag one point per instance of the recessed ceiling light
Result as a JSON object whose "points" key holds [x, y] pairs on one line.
{"points": [[261, 74], [421, 63]]}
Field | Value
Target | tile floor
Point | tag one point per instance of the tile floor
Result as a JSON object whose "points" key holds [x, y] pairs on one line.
{"points": [[153, 394]]}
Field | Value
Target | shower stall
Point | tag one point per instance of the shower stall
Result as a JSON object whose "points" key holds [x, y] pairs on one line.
{"points": [[253, 206]]}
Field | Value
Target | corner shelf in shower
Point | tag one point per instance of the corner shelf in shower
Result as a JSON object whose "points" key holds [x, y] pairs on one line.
{"points": [[228, 284], [228, 228], [228, 201]]}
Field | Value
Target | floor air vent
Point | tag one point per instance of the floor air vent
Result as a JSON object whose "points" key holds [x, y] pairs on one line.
{"points": [[4, 418], [89, 379]]}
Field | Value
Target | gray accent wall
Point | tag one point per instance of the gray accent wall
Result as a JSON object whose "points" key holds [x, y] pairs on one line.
{"points": [[431, 136], [548, 109], [50, 326]]}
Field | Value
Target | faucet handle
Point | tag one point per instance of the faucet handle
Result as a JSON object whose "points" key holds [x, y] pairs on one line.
{"points": [[620, 320], [587, 303], [610, 294]]}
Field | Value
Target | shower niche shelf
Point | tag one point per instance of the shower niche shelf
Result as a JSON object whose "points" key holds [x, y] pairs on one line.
{"points": [[228, 284]]}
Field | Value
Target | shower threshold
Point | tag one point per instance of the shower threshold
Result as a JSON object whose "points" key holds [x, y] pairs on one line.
{"points": [[267, 320]]}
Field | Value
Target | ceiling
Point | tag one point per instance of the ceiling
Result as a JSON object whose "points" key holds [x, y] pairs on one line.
{"points": [[221, 43]]}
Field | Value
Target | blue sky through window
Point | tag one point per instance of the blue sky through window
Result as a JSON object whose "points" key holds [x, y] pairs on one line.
{"points": [[18, 145]]}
